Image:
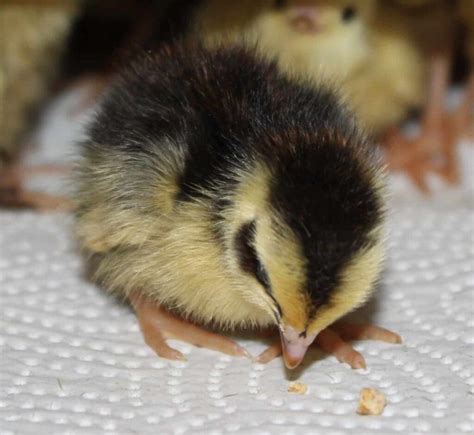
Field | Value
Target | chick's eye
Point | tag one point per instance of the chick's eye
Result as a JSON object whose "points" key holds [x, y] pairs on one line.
{"points": [[349, 13], [279, 4], [247, 255], [262, 275]]}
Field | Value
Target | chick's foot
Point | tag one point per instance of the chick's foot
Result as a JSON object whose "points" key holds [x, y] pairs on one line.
{"points": [[434, 151], [159, 325], [333, 341], [14, 195]]}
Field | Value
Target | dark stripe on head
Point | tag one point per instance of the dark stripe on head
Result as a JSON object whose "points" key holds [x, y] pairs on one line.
{"points": [[327, 199]]}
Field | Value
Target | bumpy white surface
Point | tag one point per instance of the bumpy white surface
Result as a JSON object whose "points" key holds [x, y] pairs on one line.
{"points": [[73, 360]]}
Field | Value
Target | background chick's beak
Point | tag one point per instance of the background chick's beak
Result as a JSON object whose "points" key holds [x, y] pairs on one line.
{"points": [[294, 346], [304, 18]]}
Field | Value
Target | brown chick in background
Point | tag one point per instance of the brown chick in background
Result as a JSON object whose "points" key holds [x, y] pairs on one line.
{"points": [[32, 36]]}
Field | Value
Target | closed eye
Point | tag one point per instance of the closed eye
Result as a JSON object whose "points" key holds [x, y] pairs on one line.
{"points": [[261, 274], [248, 258], [250, 263]]}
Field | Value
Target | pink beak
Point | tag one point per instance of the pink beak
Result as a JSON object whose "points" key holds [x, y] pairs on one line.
{"points": [[294, 346], [304, 18]]}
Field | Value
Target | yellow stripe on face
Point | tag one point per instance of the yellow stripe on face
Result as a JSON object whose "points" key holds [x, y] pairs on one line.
{"points": [[355, 288]]}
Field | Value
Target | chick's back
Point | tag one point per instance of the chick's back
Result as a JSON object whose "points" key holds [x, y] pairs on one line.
{"points": [[165, 153]]}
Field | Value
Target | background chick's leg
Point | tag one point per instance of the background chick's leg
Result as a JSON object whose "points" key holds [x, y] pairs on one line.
{"points": [[333, 341], [159, 325], [401, 157], [435, 144], [464, 115], [13, 194], [434, 149]]}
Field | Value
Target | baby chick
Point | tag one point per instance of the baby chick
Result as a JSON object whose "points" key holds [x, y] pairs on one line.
{"points": [[214, 190], [344, 42], [32, 35], [322, 39]]}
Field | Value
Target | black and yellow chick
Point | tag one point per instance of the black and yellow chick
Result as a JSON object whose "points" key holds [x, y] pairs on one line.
{"points": [[214, 190]]}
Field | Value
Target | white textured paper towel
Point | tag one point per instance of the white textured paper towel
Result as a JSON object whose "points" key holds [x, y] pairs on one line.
{"points": [[73, 360]]}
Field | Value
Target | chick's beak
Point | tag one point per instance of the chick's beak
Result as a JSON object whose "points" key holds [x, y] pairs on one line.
{"points": [[294, 346], [305, 18]]}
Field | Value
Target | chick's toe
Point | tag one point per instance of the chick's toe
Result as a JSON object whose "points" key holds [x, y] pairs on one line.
{"points": [[330, 342], [159, 325], [333, 341], [350, 331], [270, 353]]}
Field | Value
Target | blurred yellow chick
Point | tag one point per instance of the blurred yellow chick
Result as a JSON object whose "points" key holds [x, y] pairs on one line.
{"points": [[320, 39], [31, 36], [341, 42]]}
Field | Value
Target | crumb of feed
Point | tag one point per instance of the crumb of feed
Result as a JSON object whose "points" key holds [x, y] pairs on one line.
{"points": [[297, 388], [371, 402]]}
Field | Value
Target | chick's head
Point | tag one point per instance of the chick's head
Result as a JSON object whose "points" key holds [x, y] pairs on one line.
{"points": [[312, 16], [315, 38], [308, 241], [329, 38]]}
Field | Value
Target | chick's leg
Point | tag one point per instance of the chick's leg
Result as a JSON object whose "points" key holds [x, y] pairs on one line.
{"points": [[13, 194], [434, 149], [159, 325], [333, 341], [464, 116]]}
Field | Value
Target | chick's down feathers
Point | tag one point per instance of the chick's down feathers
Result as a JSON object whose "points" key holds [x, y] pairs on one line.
{"points": [[215, 186]]}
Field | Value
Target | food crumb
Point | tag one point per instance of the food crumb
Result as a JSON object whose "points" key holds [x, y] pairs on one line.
{"points": [[297, 388], [371, 402]]}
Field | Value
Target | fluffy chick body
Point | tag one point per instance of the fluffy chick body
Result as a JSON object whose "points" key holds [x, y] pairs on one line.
{"points": [[218, 188]]}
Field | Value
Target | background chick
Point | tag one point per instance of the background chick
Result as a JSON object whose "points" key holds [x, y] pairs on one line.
{"points": [[313, 38], [32, 36], [355, 45], [214, 188]]}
